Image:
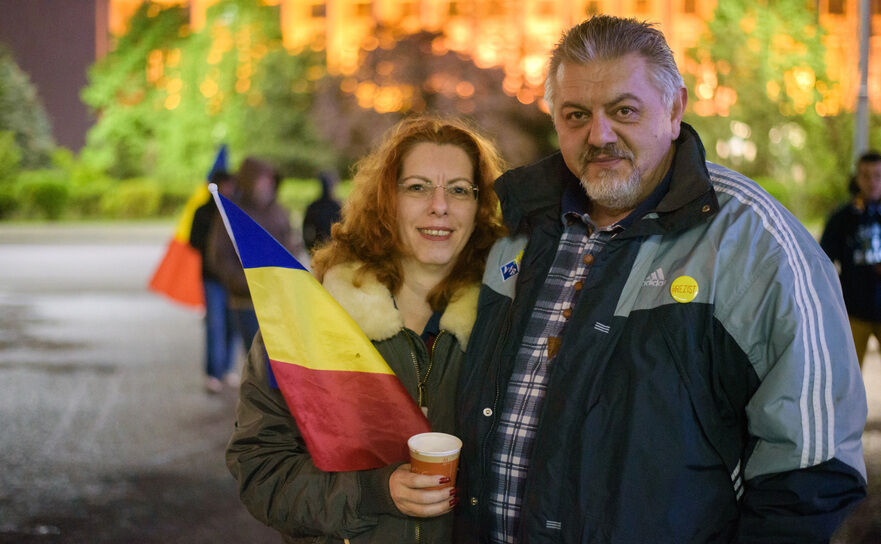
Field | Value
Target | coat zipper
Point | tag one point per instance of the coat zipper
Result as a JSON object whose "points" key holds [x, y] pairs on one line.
{"points": [[421, 381], [420, 388]]}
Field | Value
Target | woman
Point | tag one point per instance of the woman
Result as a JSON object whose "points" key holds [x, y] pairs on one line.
{"points": [[405, 263]]}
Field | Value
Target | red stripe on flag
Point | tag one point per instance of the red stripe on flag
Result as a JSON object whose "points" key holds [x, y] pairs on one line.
{"points": [[350, 420], [179, 275]]}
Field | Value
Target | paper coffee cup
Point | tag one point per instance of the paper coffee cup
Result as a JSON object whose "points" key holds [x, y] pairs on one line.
{"points": [[436, 454]]}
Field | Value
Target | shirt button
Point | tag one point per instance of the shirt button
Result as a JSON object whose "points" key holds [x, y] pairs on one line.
{"points": [[578, 285], [567, 313], [487, 412], [473, 501], [588, 258]]}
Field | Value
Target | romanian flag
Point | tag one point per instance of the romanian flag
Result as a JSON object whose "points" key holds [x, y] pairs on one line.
{"points": [[179, 274], [352, 411]]}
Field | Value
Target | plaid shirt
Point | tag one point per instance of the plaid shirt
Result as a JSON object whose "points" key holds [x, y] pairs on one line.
{"points": [[580, 242]]}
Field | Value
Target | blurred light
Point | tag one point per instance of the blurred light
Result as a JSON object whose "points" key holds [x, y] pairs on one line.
{"points": [[749, 151], [722, 149], [369, 43], [464, 89], [172, 101], [741, 130], [704, 91], [174, 85], [525, 96], [208, 88], [348, 85], [772, 88], [172, 59], [510, 85], [242, 85], [385, 68], [314, 73], [439, 46]]}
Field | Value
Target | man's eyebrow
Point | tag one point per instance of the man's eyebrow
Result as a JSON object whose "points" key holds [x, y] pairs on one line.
{"points": [[620, 98]]}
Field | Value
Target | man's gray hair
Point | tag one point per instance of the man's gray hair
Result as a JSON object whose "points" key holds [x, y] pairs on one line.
{"points": [[604, 37]]}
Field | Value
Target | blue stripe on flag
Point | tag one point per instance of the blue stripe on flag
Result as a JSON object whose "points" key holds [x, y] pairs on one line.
{"points": [[257, 248]]}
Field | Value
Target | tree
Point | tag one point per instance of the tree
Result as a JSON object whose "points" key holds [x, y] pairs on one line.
{"points": [[412, 74], [23, 115], [765, 104], [167, 98]]}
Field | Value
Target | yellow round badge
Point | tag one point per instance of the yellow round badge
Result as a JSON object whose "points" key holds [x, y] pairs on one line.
{"points": [[684, 289]]}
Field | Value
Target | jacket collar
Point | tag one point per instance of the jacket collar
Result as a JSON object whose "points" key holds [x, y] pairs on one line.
{"points": [[690, 199], [371, 306]]}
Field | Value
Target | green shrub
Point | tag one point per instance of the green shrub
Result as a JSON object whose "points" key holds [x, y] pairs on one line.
{"points": [[85, 199], [8, 201], [131, 199], [42, 193], [10, 156]]}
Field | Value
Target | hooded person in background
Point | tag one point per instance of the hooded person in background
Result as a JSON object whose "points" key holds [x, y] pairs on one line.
{"points": [[322, 213], [257, 188]]}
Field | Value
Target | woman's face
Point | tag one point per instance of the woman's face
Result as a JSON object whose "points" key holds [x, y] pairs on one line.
{"points": [[434, 226]]}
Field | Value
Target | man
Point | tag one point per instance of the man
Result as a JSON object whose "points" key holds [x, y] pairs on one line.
{"points": [[853, 238], [661, 352]]}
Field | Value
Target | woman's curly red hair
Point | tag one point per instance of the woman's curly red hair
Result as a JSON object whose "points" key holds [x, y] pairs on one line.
{"points": [[368, 230]]}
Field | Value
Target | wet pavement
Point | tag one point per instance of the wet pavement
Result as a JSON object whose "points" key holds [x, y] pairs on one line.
{"points": [[107, 434]]}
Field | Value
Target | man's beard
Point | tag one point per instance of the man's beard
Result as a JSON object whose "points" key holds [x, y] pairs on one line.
{"points": [[609, 189]]}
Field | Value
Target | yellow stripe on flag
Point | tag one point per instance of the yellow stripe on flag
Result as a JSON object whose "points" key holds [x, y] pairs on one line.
{"points": [[302, 324], [185, 223]]}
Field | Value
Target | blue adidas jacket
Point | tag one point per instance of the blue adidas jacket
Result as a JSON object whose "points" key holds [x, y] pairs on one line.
{"points": [[735, 416]]}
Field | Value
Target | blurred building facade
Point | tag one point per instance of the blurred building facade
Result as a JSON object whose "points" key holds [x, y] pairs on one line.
{"points": [[55, 41], [517, 34]]}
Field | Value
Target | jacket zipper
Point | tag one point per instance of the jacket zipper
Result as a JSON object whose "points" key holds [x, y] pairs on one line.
{"points": [[422, 381], [420, 387]]}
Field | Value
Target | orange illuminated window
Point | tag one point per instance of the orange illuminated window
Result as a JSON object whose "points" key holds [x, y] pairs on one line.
{"points": [[689, 6], [363, 9], [319, 11]]}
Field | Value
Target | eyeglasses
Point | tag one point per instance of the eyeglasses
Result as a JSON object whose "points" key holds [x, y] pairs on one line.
{"points": [[420, 188]]}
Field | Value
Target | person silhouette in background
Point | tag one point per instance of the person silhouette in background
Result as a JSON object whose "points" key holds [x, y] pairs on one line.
{"points": [[322, 213], [852, 238], [220, 339]]}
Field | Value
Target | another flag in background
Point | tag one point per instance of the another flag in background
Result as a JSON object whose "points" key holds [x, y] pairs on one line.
{"points": [[179, 274], [336, 385]]}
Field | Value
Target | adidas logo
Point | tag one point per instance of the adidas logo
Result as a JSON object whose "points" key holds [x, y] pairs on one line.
{"points": [[655, 279]]}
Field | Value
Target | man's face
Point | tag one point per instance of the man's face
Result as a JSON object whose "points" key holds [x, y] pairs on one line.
{"points": [[869, 180], [616, 134]]}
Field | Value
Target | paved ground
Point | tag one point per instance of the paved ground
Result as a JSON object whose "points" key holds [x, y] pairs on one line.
{"points": [[107, 435]]}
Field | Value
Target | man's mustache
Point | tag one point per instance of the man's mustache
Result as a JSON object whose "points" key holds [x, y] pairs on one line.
{"points": [[610, 151]]}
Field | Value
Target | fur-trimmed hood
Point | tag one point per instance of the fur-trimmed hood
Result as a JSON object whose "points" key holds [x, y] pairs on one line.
{"points": [[373, 309]]}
